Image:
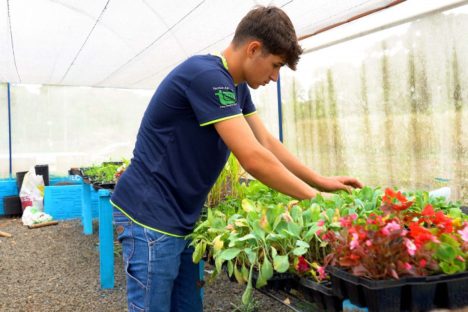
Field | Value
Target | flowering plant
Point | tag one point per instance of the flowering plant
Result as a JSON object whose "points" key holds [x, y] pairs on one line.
{"points": [[399, 241]]}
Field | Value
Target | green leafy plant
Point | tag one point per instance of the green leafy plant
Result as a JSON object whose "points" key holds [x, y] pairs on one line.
{"points": [[260, 234], [105, 172], [227, 183]]}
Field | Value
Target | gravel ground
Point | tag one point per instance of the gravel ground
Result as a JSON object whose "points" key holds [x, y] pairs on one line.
{"points": [[56, 268]]}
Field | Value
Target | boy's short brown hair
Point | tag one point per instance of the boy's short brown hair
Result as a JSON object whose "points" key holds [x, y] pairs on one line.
{"points": [[274, 29]]}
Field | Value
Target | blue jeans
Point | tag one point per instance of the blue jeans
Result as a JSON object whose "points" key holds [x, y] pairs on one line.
{"points": [[161, 275]]}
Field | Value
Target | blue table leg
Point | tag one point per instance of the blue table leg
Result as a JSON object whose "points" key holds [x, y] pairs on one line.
{"points": [[87, 218], [106, 240], [201, 268]]}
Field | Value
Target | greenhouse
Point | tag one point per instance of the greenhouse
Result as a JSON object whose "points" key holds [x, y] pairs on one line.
{"points": [[244, 156]]}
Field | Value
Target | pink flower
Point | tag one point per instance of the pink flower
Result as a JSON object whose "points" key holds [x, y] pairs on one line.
{"points": [[368, 243], [390, 227], [407, 266], [348, 221], [410, 246], [464, 233], [320, 222], [422, 263], [354, 242], [321, 272]]}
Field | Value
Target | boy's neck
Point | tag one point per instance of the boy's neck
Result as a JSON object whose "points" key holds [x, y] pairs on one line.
{"points": [[234, 59]]}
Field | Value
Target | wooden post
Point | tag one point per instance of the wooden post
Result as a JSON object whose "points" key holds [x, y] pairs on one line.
{"points": [[5, 234]]}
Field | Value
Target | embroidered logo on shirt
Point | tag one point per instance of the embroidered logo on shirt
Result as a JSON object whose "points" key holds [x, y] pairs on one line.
{"points": [[226, 97]]}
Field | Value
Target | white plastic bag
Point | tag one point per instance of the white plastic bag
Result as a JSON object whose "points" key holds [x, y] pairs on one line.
{"points": [[441, 192], [32, 190], [32, 215]]}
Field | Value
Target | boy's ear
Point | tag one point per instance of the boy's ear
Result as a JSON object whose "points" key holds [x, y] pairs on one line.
{"points": [[253, 47]]}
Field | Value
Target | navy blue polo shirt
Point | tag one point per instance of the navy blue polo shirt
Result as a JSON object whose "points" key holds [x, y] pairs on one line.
{"points": [[178, 153]]}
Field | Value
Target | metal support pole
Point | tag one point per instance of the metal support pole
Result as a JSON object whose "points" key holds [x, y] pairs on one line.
{"points": [[280, 110], [9, 129]]}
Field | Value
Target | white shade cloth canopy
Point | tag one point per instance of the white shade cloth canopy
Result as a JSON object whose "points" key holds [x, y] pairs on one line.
{"points": [[134, 43]]}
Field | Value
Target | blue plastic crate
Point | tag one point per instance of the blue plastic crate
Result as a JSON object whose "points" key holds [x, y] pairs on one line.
{"points": [[72, 179], [63, 202], [7, 188]]}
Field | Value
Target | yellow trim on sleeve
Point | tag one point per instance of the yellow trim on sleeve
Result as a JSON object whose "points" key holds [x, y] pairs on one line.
{"points": [[145, 226], [250, 114], [218, 120]]}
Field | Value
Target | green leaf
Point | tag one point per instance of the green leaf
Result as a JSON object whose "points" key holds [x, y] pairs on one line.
{"points": [[261, 280], [258, 231], [198, 252], [301, 243], [273, 251], [455, 213], [248, 205], [330, 213], [281, 263], [295, 229], [299, 251], [247, 295], [251, 255], [238, 276], [448, 268], [245, 272], [229, 254], [246, 237], [445, 252], [311, 232], [315, 212], [230, 267], [267, 269], [296, 214], [219, 264], [210, 216]]}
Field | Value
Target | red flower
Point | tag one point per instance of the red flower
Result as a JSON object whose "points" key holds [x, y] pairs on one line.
{"points": [[392, 198], [420, 234], [302, 265], [428, 211]]}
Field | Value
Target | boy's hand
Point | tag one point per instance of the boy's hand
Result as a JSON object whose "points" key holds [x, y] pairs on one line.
{"points": [[337, 183]]}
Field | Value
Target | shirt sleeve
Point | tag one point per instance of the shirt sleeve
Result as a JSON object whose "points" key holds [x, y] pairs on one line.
{"points": [[213, 97]]}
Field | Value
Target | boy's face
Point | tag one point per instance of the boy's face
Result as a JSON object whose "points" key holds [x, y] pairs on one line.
{"points": [[261, 68]]}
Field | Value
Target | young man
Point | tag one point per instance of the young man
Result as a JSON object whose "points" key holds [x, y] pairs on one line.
{"points": [[200, 113]]}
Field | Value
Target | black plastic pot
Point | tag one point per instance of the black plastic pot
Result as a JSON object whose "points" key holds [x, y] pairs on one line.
{"points": [[452, 290], [464, 209], [43, 170], [406, 294], [321, 294], [107, 186], [382, 295], [74, 171], [12, 206], [19, 179], [418, 294]]}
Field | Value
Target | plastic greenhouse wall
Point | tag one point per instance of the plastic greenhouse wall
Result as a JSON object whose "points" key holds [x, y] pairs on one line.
{"points": [[4, 149], [389, 108], [69, 126]]}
